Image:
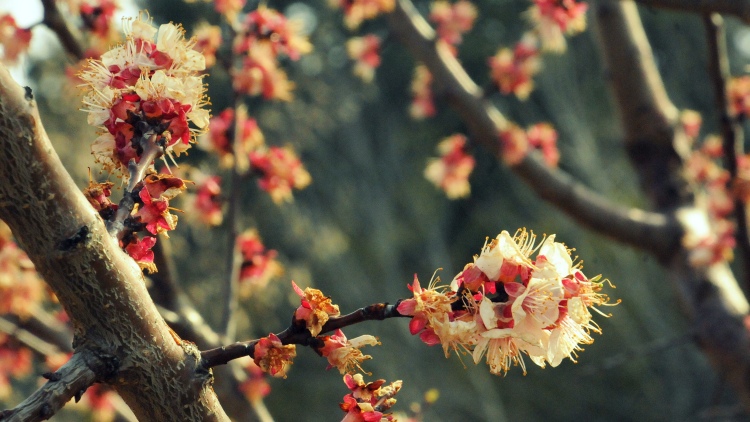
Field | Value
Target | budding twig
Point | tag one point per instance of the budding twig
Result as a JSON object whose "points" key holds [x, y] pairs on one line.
{"points": [[299, 334], [151, 151]]}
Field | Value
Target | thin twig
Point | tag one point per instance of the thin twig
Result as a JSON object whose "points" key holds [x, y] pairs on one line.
{"points": [[731, 130], [299, 334]]}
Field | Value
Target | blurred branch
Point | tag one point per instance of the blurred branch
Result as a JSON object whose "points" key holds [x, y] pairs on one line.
{"points": [[45, 327], [9, 325], [709, 295], [71, 380], [731, 130], [54, 20], [737, 8], [654, 232], [299, 334]]}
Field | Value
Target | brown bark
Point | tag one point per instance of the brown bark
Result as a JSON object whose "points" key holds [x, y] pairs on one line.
{"points": [[100, 287]]}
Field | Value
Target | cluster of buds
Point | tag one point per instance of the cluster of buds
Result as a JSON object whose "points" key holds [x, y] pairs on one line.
{"points": [[20, 286], [262, 39], [150, 214], [365, 51], [452, 21], [258, 265], [358, 11], [516, 143], [368, 401], [703, 169], [553, 19], [279, 171], [513, 70], [233, 136], [506, 304], [14, 40], [451, 171]]}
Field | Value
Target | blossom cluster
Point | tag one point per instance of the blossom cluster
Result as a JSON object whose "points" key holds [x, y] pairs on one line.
{"points": [[258, 265], [146, 88], [262, 39], [451, 171], [422, 104], [553, 19], [146, 97], [703, 169], [15, 361], [513, 70], [13, 40], [738, 91], [506, 304], [358, 11], [452, 21], [365, 51], [368, 401], [516, 143]]}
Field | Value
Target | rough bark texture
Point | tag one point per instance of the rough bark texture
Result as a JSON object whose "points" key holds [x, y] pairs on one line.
{"points": [[100, 287]]}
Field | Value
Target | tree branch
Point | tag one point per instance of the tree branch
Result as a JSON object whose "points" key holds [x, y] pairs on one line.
{"points": [[646, 230], [100, 287], [710, 295], [737, 8], [731, 130], [71, 380], [54, 20]]}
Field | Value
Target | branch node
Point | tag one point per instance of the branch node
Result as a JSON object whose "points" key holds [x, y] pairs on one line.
{"points": [[52, 376], [81, 236], [28, 95]]}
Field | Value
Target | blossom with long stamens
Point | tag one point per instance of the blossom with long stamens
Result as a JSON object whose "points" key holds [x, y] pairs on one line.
{"points": [[345, 354], [147, 90], [507, 305]]}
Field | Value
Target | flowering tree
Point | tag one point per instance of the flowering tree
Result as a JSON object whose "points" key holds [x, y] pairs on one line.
{"points": [[103, 250]]}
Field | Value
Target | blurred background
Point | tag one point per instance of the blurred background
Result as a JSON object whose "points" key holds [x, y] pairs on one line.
{"points": [[370, 220]]}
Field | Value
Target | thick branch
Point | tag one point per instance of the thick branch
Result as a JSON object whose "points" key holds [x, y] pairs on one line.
{"points": [[650, 231], [737, 8], [54, 20], [100, 287], [71, 380], [299, 334]]}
